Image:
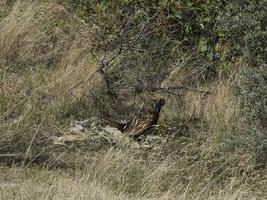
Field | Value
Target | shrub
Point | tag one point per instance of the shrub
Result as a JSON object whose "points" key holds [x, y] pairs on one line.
{"points": [[250, 90], [243, 29]]}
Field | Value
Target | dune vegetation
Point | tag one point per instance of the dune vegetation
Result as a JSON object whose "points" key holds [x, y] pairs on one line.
{"points": [[65, 64]]}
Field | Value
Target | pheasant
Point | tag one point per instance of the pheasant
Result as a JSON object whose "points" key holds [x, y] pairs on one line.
{"points": [[140, 125]]}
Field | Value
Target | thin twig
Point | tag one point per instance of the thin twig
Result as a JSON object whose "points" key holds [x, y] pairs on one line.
{"points": [[177, 88], [12, 155], [84, 80], [29, 148]]}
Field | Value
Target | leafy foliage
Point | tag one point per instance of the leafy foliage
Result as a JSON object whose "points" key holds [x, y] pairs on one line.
{"points": [[243, 27], [250, 88]]}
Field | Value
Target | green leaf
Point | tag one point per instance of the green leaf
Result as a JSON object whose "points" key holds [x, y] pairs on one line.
{"points": [[206, 19], [221, 34], [225, 66], [163, 2], [189, 4], [202, 45], [210, 55], [178, 16]]}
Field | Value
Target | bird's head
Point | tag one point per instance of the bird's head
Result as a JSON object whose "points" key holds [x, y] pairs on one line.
{"points": [[162, 102]]}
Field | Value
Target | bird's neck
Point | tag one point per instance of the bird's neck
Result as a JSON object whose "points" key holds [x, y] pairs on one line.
{"points": [[157, 108]]}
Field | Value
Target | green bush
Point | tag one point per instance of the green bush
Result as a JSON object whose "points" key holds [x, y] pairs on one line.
{"points": [[214, 33], [250, 90], [253, 142], [243, 28]]}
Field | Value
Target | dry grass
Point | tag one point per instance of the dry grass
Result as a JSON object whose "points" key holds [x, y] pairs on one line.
{"points": [[43, 54], [44, 51], [110, 176]]}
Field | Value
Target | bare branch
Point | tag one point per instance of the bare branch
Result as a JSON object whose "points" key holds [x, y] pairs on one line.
{"points": [[84, 80], [178, 88]]}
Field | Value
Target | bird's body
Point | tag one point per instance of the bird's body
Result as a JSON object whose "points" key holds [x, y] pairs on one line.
{"points": [[141, 125], [119, 126]]}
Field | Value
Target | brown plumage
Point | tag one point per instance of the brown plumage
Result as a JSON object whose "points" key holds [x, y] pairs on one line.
{"points": [[119, 126], [140, 125]]}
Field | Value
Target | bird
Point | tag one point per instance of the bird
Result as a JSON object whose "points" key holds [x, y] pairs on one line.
{"points": [[120, 126], [140, 125]]}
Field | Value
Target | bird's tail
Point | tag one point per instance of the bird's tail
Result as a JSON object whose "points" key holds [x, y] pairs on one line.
{"points": [[108, 118], [119, 126]]}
